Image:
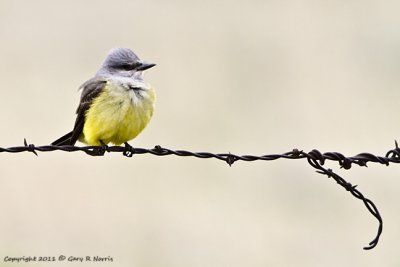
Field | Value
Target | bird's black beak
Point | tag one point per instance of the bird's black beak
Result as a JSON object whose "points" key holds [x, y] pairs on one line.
{"points": [[145, 66]]}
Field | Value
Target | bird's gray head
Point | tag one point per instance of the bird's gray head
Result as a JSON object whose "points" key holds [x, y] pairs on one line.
{"points": [[123, 62]]}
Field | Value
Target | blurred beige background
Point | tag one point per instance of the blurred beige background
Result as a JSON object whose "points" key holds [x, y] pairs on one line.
{"points": [[247, 77]]}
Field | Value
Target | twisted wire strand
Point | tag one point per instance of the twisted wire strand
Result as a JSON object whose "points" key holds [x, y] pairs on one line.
{"points": [[315, 158]]}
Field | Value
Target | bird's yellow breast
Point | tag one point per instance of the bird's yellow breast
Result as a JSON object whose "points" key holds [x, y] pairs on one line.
{"points": [[117, 115]]}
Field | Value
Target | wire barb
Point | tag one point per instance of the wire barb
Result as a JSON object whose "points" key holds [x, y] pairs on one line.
{"points": [[315, 158], [230, 159], [30, 147]]}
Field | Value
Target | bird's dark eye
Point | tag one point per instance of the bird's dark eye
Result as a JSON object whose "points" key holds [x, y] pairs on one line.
{"points": [[129, 66]]}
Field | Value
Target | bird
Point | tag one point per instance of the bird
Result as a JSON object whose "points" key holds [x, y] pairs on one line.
{"points": [[115, 105]]}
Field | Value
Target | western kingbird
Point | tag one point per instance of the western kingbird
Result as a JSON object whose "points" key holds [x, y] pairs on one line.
{"points": [[115, 105]]}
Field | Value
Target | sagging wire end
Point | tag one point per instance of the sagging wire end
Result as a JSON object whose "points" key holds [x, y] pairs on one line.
{"points": [[352, 189], [372, 244]]}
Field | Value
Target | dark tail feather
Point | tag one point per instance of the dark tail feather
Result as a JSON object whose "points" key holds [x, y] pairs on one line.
{"points": [[64, 140]]}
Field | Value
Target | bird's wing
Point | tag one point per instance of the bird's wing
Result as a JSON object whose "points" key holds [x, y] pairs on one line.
{"points": [[90, 90]]}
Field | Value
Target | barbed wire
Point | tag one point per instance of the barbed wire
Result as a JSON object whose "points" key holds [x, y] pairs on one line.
{"points": [[315, 158]]}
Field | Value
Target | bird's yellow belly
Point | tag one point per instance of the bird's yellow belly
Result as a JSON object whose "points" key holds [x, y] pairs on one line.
{"points": [[114, 117]]}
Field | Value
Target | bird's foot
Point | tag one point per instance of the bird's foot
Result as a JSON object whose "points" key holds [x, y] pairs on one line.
{"points": [[100, 150], [104, 146], [129, 150]]}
